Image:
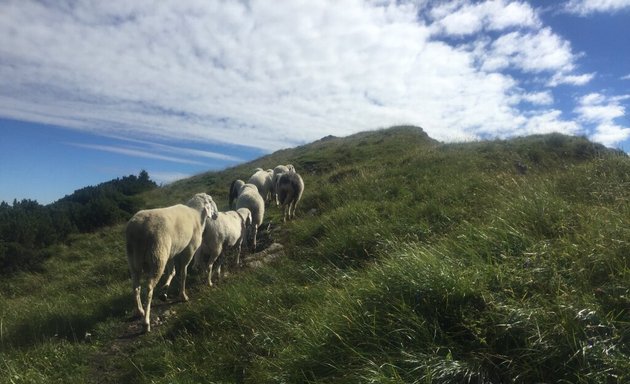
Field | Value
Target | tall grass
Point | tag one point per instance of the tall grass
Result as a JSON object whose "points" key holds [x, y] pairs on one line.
{"points": [[410, 262]]}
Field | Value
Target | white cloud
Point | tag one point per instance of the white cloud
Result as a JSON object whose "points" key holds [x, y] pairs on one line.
{"points": [[587, 7], [270, 76], [462, 18], [610, 134], [626, 77], [153, 147], [538, 98], [135, 153], [564, 78], [532, 52], [550, 121], [596, 107], [601, 112]]}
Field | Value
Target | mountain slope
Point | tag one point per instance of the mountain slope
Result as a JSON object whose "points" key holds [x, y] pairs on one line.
{"points": [[410, 261]]}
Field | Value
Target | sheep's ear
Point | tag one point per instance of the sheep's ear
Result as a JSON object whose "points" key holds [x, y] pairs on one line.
{"points": [[204, 213], [210, 210]]}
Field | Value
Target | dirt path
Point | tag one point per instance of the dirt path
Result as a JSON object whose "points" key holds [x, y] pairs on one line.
{"points": [[106, 363]]}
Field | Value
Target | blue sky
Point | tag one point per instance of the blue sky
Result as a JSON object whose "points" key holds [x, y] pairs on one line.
{"points": [[93, 90]]}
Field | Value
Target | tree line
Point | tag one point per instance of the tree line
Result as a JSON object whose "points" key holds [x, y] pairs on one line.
{"points": [[27, 228]]}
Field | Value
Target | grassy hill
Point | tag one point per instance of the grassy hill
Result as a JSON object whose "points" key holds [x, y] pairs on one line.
{"points": [[411, 261]]}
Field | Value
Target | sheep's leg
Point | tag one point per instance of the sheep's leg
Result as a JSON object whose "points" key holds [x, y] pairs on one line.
{"points": [[198, 257], [245, 238], [295, 204], [292, 207], [214, 255], [255, 234], [210, 264], [238, 252], [183, 260], [135, 285], [151, 283], [146, 325], [170, 266], [226, 258], [135, 272]]}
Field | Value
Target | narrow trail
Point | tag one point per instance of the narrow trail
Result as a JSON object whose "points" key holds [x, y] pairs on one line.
{"points": [[105, 362]]}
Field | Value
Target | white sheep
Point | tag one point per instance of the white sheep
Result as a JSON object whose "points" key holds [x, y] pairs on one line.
{"points": [[158, 236], [277, 172], [235, 187], [227, 231], [262, 179], [290, 188], [249, 198]]}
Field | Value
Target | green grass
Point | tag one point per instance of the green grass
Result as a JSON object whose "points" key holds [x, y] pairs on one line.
{"points": [[410, 262]]}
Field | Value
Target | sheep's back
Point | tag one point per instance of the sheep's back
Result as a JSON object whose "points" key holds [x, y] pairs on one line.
{"points": [[254, 202], [176, 225], [227, 227], [262, 180], [290, 183]]}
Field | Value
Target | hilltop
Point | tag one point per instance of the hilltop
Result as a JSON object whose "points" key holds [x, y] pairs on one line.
{"points": [[411, 261]]}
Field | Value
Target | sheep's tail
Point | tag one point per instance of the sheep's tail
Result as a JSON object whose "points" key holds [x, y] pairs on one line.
{"points": [[288, 187], [296, 187]]}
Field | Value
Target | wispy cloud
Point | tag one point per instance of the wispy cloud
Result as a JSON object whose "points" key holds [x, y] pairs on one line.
{"points": [[268, 76], [563, 78], [135, 153], [180, 150], [587, 7], [461, 18], [538, 98]]}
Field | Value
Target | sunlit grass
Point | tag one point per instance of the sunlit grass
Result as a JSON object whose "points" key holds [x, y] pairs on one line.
{"points": [[410, 262]]}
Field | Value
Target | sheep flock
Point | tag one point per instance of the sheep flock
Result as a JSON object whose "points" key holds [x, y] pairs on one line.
{"points": [[164, 241]]}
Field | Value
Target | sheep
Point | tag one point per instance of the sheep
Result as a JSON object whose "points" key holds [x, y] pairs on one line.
{"points": [[227, 231], [262, 179], [290, 188], [235, 187], [284, 168], [249, 198], [277, 172], [161, 236]]}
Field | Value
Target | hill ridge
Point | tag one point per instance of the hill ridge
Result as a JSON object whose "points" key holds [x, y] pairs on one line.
{"points": [[410, 260]]}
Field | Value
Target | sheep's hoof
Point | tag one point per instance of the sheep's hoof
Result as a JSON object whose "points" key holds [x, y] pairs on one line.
{"points": [[164, 297]]}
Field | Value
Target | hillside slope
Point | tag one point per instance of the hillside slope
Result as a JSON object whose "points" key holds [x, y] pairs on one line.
{"points": [[410, 261]]}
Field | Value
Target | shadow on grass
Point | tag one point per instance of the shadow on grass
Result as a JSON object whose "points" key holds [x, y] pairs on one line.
{"points": [[73, 324]]}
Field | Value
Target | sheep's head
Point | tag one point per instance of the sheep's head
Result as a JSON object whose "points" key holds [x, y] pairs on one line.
{"points": [[204, 203]]}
